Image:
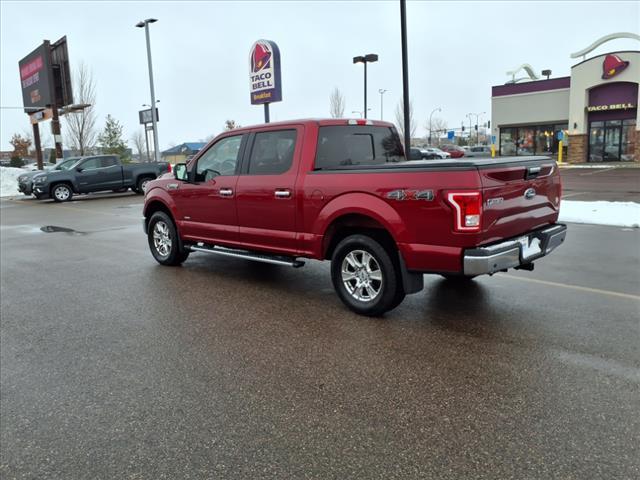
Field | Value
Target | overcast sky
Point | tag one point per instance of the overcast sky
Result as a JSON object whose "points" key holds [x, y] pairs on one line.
{"points": [[457, 51]]}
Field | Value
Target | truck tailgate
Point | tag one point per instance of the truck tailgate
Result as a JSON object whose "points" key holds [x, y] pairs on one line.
{"points": [[519, 195]]}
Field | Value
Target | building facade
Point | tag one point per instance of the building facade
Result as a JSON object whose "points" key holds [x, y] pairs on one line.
{"points": [[594, 111]]}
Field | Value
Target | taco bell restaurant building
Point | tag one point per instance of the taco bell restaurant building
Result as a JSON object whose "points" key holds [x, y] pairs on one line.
{"points": [[594, 111]]}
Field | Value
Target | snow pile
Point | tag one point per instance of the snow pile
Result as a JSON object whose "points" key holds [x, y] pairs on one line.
{"points": [[619, 214], [9, 181]]}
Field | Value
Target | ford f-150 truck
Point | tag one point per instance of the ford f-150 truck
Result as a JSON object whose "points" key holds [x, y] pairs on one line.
{"points": [[342, 190], [95, 174]]}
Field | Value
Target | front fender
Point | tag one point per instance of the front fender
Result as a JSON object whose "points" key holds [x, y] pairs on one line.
{"points": [[363, 204], [158, 194]]}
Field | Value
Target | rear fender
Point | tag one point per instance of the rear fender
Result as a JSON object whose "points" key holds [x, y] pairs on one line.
{"points": [[361, 204]]}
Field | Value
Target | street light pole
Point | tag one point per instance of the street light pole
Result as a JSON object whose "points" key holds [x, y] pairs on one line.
{"points": [[405, 76], [433, 111], [381, 92], [154, 120], [369, 58]]}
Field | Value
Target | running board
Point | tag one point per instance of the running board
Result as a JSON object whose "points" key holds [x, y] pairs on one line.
{"points": [[247, 255]]}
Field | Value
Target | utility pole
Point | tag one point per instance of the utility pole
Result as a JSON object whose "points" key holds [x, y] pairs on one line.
{"points": [[36, 143], [405, 76], [381, 92], [154, 120]]}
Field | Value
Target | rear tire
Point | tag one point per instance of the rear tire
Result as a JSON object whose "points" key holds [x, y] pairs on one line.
{"points": [[164, 242], [365, 277], [62, 192], [141, 186]]}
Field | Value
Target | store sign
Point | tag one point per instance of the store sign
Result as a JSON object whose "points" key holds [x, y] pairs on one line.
{"points": [[612, 66], [264, 73], [613, 106]]}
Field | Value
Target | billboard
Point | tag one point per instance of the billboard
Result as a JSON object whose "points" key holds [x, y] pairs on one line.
{"points": [[45, 77], [264, 73], [36, 79]]}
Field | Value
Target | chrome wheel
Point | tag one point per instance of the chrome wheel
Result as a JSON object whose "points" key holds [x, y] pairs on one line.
{"points": [[361, 275], [62, 193], [162, 238]]}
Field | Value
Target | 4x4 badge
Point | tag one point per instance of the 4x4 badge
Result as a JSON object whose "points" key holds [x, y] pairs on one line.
{"points": [[411, 195]]}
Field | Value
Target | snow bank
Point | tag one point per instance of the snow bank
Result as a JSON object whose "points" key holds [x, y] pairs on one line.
{"points": [[618, 214], [9, 181]]}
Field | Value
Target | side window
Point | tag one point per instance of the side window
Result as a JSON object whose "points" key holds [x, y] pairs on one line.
{"points": [[108, 162], [220, 159], [272, 152], [91, 164], [342, 146]]}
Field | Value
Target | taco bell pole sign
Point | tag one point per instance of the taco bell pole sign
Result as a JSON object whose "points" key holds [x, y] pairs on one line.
{"points": [[264, 74]]}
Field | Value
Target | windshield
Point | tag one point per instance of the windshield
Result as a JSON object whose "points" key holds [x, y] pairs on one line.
{"points": [[67, 164]]}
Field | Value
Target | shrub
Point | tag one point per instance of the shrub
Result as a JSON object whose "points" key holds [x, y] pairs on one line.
{"points": [[16, 162]]}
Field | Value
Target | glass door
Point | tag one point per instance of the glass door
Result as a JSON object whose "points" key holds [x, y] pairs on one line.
{"points": [[612, 141]]}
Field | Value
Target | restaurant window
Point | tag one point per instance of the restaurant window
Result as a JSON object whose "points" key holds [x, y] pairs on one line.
{"points": [[545, 138], [525, 142], [629, 139], [596, 141], [507, 141]]}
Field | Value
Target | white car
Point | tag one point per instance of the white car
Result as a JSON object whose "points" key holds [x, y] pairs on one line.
{"points": [[434, 153]]}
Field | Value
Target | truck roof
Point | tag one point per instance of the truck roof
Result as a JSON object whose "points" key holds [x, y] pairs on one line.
{"points": [[322, 122]]}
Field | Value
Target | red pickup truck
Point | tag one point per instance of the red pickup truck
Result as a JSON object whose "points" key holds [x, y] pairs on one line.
{"points": [[342, 190]]}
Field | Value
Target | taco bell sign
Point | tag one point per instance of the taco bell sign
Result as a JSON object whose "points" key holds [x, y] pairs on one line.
{"points": [[264, 73]]}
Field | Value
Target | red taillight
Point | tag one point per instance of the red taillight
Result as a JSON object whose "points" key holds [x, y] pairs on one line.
{"points": [[169, 169], [468, 210]]}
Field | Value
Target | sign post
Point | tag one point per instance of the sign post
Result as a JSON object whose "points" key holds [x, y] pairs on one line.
{"points": [[264, 75]]}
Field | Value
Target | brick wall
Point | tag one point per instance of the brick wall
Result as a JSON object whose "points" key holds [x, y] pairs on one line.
{"points": [[578, 147]]}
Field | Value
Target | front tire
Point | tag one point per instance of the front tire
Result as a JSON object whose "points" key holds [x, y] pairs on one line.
{"points": [[62, 192], [164, 242], [365, 277]]}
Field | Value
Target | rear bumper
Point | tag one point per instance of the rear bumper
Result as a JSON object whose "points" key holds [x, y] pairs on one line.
{"points": [[514, 252]]}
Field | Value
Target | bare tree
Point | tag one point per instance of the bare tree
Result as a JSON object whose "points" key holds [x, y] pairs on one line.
{"points": [[435, 128], [400, 119], [336, 103], [81, 126], [140, 144]]}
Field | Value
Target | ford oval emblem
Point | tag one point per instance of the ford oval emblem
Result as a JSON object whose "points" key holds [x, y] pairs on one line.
{"points": [[529, 193]]}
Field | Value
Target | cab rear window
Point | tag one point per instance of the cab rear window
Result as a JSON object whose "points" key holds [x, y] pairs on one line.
{"points": [[356, 145]]}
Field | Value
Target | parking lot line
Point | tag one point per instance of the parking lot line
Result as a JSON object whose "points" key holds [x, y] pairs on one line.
{"points": [[575, 287]]}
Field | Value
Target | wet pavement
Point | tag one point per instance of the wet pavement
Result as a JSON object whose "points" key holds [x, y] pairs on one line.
{"points": [[611, 183], [115, 367]]}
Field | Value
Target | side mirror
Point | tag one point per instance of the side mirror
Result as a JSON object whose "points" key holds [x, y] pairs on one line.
{"points": [[180, 172], [79, 169]]}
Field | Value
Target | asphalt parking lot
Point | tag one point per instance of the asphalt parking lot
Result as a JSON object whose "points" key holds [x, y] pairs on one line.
{"points": [[620, 184], [115, 367]]}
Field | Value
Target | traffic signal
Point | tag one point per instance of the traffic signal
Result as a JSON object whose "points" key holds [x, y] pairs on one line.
{"points": [[463, 128], [476, 127], [488, 123]]}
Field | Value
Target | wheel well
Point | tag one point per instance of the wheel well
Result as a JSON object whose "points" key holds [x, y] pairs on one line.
{"points": [[353, 224], [142, 176], [55, 184], [156, 207]]}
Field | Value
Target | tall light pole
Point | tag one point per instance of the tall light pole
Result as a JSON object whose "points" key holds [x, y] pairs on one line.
{"points": [[405, 76], [369, 58], [469, 115], [381, 92], [432, 112], [154, 120]]}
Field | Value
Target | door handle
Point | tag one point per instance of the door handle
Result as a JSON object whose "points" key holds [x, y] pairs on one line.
{"points": [[283, 193], [226, 192]]}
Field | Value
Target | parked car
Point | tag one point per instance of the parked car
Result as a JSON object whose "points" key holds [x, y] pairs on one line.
{"points": [[433, 153], [453, 150], [95, 174], [342, 190], [25, 181], [416, 154], [478, 151]]}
